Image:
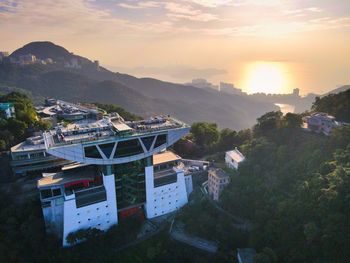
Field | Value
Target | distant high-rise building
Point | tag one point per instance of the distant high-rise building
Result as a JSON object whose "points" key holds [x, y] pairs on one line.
{"points": [[3, 54], [229, 88], [97, 65], [296, 92], [203, 84]]}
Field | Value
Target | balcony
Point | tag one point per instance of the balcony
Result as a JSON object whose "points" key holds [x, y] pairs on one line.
{"points": [[90, 196]]}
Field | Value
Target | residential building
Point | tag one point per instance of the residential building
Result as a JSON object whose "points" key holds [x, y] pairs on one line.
{"points": [[320, 122], [203, 84], [7, 110], [217, 181], [119, 168], [245, 255], [3, 54], [234, 158], [229, 88], [26, 59], [73, 63]]}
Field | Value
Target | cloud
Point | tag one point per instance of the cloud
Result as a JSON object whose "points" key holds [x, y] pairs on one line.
{"points": [[212, 3], [105, 19], [180, 11], [141, 5], [314, 9]]}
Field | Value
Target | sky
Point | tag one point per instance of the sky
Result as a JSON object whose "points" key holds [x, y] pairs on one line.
{"points": [[268, 46]]}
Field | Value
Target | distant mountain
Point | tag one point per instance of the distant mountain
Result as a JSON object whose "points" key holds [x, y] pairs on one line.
{"points": [[143, 96], [338, 90], [43, 50]]}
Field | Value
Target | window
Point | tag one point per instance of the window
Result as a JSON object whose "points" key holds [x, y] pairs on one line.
{"points": [[37, 155], [147, 142], [107, 148], [46, 204], [128, 148], [92, 152], [161, 139], [45, 193], [56, 192]]}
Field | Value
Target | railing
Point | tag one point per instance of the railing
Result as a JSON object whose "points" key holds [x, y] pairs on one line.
{"points": [[50, 142], [90, 196]]}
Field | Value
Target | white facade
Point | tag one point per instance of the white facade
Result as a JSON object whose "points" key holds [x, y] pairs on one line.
{"points": [[100, 215], [63, 215], [234, 158], [166, 198]]}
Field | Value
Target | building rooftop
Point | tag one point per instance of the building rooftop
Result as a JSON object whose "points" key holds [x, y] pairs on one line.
{"points": [[165, 157], [65, 109], [106, 128], [321, 115], [30, 144], [64, 177], [219, 173], [236, 155]]}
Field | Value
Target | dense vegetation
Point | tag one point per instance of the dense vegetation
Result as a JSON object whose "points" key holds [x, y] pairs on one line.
{"points": [[293, 188], [16, 129], [335, 104]]}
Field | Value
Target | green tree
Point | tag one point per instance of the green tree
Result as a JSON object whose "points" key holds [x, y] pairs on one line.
{"points": [[268, 122], [205, 134]]}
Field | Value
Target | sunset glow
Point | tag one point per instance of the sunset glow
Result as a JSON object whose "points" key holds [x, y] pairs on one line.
{"points": [[265, 77], [182, 40]]}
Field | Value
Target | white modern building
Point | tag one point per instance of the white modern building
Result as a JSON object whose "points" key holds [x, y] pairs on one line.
{"points": [[234, 158], [119, 168], [321, 122], [30, 156]]}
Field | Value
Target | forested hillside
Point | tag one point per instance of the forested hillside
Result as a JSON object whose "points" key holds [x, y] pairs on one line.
{"points": [[294, 187], [335, 104], [16, 129]]}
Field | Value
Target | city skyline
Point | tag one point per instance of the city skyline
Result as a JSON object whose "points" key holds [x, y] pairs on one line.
{"points": [[273, 46]]}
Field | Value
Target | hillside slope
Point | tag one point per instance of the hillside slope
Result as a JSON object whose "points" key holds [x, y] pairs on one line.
{"points": [[144, 96]]}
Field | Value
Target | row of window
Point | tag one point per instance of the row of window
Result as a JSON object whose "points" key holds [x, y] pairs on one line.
{"points": [[48, 193], [124, 148]]}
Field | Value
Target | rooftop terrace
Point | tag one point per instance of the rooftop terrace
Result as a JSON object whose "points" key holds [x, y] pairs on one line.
{"points": [[106, 128]]}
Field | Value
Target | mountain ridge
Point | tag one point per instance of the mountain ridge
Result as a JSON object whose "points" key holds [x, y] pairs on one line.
{"points": [[144, 96]]}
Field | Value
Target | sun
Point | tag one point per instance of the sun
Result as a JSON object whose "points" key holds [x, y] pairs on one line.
{"points": [[267, 77]]}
